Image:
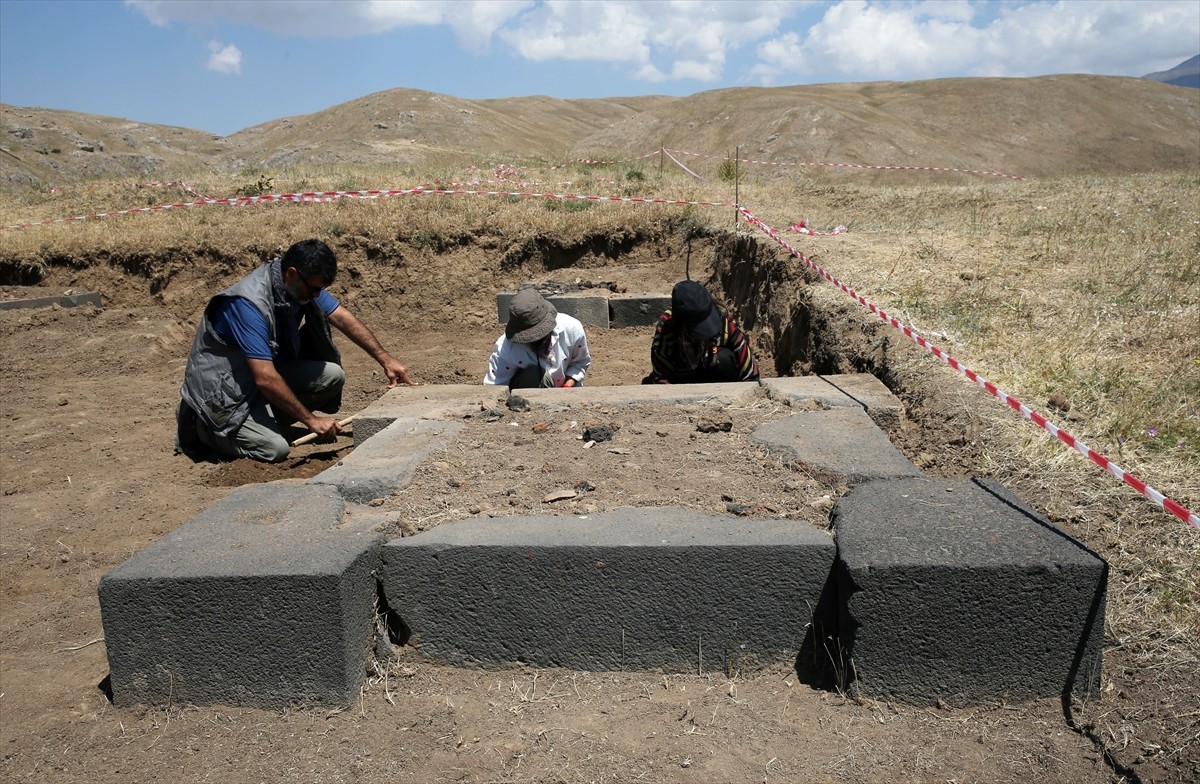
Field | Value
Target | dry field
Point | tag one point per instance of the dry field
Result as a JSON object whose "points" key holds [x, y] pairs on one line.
{"points": [[1079, 296]]}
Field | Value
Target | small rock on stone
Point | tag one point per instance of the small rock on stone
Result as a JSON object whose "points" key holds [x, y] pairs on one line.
{"points": [[517, 403], [824, 503], [741, 510], [712, 426], [598, 433]]}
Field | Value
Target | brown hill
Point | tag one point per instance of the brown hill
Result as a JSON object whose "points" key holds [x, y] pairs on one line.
{"points": [[413, 127], [1042, 126], [1036, 127], [46, 146]]}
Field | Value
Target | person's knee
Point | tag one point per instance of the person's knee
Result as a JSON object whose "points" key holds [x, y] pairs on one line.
{"points": [[269, 450], [330, 382], [337, 376]]}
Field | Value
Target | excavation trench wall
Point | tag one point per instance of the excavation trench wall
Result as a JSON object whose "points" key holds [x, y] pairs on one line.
{"points": [[922, 588]]}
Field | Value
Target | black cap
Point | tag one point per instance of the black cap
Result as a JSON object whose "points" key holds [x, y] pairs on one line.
{"points": [[692, 305]]}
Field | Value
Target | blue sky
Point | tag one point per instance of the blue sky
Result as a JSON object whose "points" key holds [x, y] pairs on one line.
{"points": [[222, 65]]}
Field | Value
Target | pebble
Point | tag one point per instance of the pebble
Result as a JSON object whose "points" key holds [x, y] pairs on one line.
{"points": [[599, 433], [706, 425]]}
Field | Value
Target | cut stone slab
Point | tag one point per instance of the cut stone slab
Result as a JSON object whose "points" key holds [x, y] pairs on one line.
{"points": [[503, 299], [451, 402], [590, 309], [625, 589], [953, 589], [257, 601], [62, 300], [636, 310], [846, 390], [663, 394], [841, 445], [385, 463]]}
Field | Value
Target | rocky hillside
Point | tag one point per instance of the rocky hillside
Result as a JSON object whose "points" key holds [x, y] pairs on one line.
{"points": [[1041, 126]]}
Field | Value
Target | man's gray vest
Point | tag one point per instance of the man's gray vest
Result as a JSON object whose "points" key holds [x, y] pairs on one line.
{"points": [[218, 383]]}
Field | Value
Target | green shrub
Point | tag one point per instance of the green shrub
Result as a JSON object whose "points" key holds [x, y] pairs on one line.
{"points": [[728, 170]]}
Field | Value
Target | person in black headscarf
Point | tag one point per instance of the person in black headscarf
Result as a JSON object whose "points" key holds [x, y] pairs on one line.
{"points": [[695, 343]]}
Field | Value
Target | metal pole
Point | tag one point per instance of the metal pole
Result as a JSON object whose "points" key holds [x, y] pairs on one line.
{"points": [[737, 152]]}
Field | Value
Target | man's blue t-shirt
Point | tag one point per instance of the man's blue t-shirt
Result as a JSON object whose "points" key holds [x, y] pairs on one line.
{"points": [[237, 321]]}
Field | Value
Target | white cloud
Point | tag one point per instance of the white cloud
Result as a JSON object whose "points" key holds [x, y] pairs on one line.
{"points": [[586, 30], [474, 23], [685, 38], [224, 59], [854, 40], [857, 41]]}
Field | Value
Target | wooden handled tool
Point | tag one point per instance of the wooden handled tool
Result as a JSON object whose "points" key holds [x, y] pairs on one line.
{"points": [[313, 436]]}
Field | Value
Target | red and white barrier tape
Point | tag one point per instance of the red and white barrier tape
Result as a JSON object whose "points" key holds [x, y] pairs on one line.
{"points": [[590, 162], [879, 167], [1162, 501], [329, 196], [680, 165]]}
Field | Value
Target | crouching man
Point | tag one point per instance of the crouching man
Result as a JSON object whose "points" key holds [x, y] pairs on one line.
{"points": [[264, 357]]}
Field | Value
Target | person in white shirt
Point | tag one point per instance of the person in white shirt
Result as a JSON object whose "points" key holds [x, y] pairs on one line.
{"points": [[540, 347]]}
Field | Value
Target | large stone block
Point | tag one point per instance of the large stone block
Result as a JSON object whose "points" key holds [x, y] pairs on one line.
{"points": [[840, 445], [626, 589], [385, 463], [590, 309], [636, 310], [953, 589], [260, 600], [448, 402], [503, 299], [846, 390], [62, 300], [641, 394]]}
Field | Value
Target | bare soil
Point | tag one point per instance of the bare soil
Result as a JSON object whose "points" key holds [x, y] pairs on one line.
{"points": [[88, 479]]}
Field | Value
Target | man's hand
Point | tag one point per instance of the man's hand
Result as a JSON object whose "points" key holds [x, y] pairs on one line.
{"points": [[397, 372], [349, 325], [326, 428]]}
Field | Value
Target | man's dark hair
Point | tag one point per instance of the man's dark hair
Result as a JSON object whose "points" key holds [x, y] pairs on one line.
{"points": [[312, 258]]}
